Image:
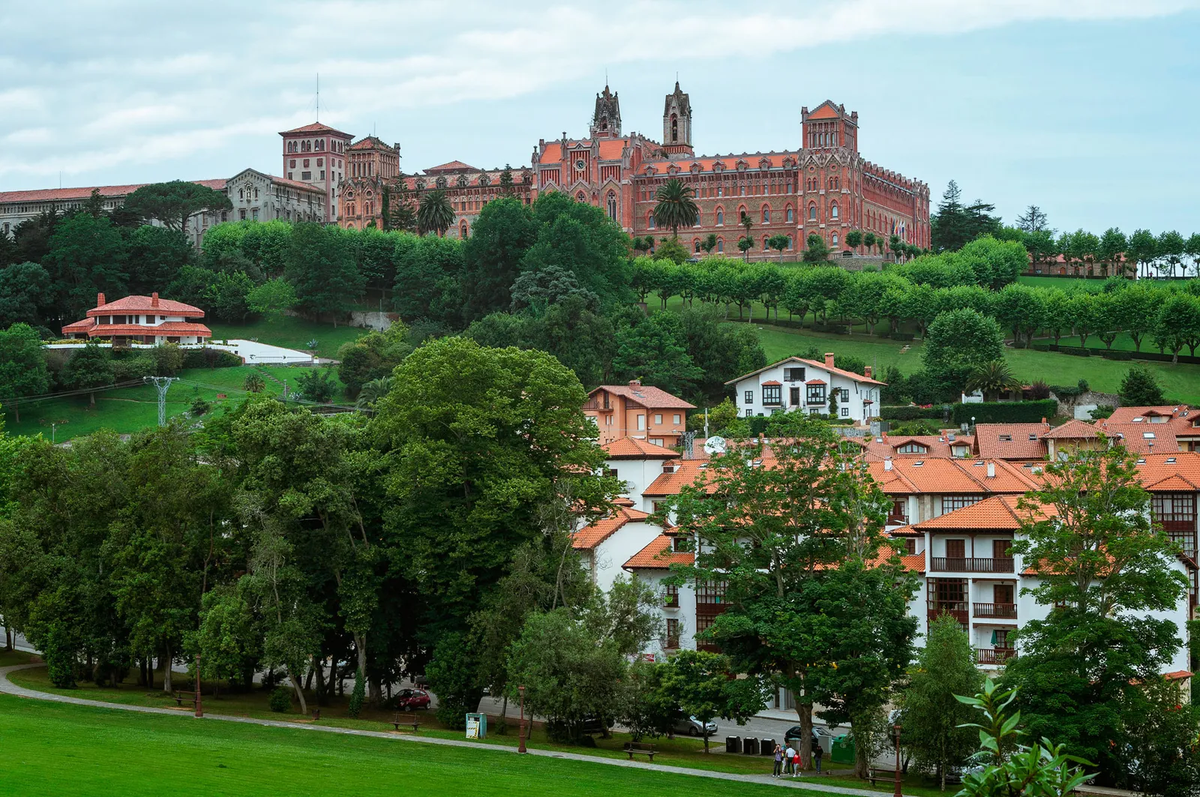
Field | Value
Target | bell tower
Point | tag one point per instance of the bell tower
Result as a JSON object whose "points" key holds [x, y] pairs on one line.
{"points": [[606, 119], [677, 123]]}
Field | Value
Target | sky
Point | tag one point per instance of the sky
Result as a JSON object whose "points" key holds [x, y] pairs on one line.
{"points": [[1086, 108]]}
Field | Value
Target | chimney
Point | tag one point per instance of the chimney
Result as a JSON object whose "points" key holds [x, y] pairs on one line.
{"points": [[154, 299], [99, 299], [991, 470], [635, 383], [868, 372], [887, 463], [828, 359]]}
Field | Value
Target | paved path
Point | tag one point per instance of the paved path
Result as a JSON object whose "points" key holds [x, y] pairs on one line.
{"points": [[8, 687]]}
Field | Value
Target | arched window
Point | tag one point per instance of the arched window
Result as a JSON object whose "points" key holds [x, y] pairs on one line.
{"points": [[835, 239], [721, 245], [765, 246], [833, 211], [789, 214], [789, 242], [674, 128], [766, 215], [741, 213], [696, 245], [720, 216], [579, 197], [812, 212], [462, 230], [612, 206], [650, 221]]}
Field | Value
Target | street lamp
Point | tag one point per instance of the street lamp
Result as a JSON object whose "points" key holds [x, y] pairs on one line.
{"points": [[199, 704], [521, 733], [898, 793]]}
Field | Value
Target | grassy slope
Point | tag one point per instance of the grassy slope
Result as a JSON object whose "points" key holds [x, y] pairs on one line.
{"points": [[291, 333], [68, 750], [129, 409]]}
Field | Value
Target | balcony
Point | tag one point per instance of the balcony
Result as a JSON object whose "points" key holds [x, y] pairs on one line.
{"points": [[971, 564], [671, 601], [956, 609], [996, 610], [993, 656]]}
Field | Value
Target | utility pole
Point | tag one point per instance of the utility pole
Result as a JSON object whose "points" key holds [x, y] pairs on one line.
{"points": [[161, 383]]}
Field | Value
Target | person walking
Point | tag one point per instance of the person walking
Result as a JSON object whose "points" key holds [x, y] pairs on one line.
{"points": [[778, 762], [817, 753], [796, 764], [789, 756]]}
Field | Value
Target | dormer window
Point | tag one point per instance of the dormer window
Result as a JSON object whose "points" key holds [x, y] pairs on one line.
{"points": [[912, 448], [1005, 438]]}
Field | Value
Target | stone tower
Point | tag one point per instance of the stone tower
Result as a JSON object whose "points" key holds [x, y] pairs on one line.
{"points": [[677, 123], [606, 119]]}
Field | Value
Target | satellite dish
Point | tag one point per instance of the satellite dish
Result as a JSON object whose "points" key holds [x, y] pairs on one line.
{"points": [[714, 445]]}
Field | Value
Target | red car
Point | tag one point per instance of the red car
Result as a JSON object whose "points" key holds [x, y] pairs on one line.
{"points": [[412, 698]]}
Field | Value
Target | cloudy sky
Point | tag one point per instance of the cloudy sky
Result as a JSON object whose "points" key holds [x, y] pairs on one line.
{"points": [[1085, 107]]}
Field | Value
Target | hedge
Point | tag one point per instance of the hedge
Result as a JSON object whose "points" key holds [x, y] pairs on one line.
{"points": [[1005, 411], [210, 358], [1114, 354], [936, 412], [906, 336], [1118, 354]]}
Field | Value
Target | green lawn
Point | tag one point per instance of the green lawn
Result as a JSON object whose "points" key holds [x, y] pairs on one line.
{"points": [[60, 749], [291, 333], [128, 410]]}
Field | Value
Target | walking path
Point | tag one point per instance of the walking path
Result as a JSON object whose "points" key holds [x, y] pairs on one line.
{"points": [[8, 687]]}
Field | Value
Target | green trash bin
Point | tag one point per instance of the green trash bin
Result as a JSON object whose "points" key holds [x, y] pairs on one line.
{"points": [[843, 750]]}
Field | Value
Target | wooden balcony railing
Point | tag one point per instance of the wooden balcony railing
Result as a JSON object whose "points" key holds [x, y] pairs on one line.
{"points": [[1001, 610], [971, 564], [993, 655], [956, 609]]}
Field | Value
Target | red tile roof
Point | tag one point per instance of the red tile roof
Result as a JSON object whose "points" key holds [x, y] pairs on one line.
{"points": [[939, 446], [658, 556], [590, 536], [144, 304], [1163, 472], [316, 127], [1143, 438], [80, 193], [1072, 430], [369, 143], [296, 184], [1025, 440], [647, 396], [816, 382], [998, 513], [687, 471], [171, 328], [452, 166], [776, 383], [913, 475], [633, 448]]}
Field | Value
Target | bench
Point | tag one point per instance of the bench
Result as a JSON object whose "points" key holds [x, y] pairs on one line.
{"points": [[179, 697], [406, 719], [884, 776], [639, 748]]}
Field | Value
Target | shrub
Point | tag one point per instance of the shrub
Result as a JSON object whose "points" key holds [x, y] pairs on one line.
{"points": [[128, 368], [1039, 390], [199, 407], [357, 697], [911, 413], [905, 336], [1139, 388], [923, 426], [280, 700], [1102, 411], [1075, 351], [210, 358], [1116, 354]]}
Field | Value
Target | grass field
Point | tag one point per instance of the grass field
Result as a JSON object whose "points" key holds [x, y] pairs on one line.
{"points": [[291, 333], [128, 410]]}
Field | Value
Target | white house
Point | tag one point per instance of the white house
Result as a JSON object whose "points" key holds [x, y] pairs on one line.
{"points": [[140, 319], [809, 386]]}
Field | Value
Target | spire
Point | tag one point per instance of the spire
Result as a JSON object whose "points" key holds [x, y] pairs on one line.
{"points": [[606, 118]]}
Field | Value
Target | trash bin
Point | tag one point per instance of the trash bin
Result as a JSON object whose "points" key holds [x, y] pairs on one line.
{"points": [[733, 744], [766, 747], [750, 746], [477, 726], [843, 750]]}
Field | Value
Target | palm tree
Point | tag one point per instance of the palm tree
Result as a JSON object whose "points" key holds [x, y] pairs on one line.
{"points": [[675, 206], [372, 391], [992, 378], [254, 382], [435, 213]]}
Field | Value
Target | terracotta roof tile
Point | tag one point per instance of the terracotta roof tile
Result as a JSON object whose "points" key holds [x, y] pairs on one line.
{"points": [[171, 328], [144, 304], [315, 127], [1024, 440], [647, 396], [1072, 430], [658, 556], [773, 383], [452, 166], [590, 536], [633, 448], [811, 364], [910, 475], [998, 513], [81, 193], [1143, 438], [687, 471]]}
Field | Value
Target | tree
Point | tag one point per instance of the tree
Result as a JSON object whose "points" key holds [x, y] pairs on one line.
{"points": [[254, 383], [1111, 249], [24, 291], [272, 299], [317, 386], [1032, 220], [372, 391], [869, 241], [582, 239], [1142, 250], [1170, 246], [502, 235], [955, 225], [435, 213], [671, 250], [89, 367], [854, 239], [1106, 577], [226, 296], [933, 718], [87, 256], [1140, 388], [155, 256], [675, 206], [653, 351], [744, 246], [779, 242], [993, 379], [709, 243], [702, 686], [1178, 322], [747, 223], [321, 269], [958, 342], [815, 249], [22, 365], [175, 202]]}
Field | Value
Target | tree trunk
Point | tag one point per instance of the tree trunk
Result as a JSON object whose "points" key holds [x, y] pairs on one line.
{"points": [[299, 692], [308, 679], [804, 711], [92, 399], [322, 686], [167, 683], [8, 639], [149, 672]]}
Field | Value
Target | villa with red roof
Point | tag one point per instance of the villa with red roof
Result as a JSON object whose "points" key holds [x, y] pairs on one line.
{"points": [[637, 411], [140, 319], [807, 386]]}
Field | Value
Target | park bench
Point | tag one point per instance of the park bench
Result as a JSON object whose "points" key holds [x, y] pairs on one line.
{"points": [[180, 696], [639, 748], [406, 719], [878, 776]]}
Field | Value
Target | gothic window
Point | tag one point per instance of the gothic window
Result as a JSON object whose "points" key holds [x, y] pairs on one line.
{"points": [[789, 246], [674, 128], [696, 245], [580, 197], [721, 245], [833, 211], [788, 213], [462, 230], [612, 206], [766, 215], [835, 239], [441, 182], [462, 181], [720, 216], [650, 221], [812, 212]]}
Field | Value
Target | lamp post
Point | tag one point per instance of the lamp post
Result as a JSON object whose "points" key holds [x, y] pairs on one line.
{"points": [[898, 793], [521, 733], [199, 704]]}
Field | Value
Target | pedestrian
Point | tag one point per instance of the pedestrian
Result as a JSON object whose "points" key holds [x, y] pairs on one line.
{"points": [[817, 752], [789, 756], [778, 762], [796, 765]]}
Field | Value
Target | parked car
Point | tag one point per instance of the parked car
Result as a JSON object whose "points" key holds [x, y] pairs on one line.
{"points": [[694, 727], [820, 733], [412, 699]]}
